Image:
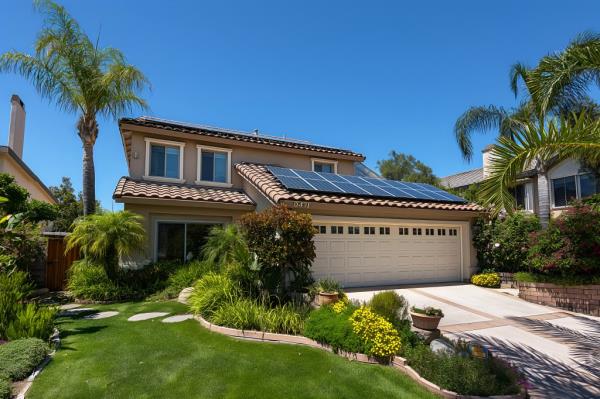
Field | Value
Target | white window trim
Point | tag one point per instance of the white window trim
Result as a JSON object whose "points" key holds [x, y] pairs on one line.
{"points": [[199, 166], [326, 161], [149, 141]]}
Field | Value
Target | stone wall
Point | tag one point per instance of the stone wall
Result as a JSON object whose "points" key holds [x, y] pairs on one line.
{"points": [[578, 298]]}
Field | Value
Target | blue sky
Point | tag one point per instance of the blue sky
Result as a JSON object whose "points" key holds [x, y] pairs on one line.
{"points": [[370, 76]]}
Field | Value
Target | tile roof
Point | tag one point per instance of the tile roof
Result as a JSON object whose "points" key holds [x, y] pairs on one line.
{"points": [[262, 179], [235, 135], [463, 179], [128, 187]]}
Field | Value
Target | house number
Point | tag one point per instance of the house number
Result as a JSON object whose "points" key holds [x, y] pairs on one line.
{"points": [[300, 204]]}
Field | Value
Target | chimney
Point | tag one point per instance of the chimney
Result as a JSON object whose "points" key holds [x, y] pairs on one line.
{"points": [[16, 130], [486, 160]]}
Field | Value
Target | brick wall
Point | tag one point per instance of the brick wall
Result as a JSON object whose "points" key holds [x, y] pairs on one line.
{"points": [[578, 298]]}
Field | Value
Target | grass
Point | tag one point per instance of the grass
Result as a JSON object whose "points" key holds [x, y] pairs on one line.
{"points": [[114, 358]]}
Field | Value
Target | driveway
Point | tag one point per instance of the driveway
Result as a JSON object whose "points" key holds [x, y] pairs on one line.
{"points": [[558, 351]]}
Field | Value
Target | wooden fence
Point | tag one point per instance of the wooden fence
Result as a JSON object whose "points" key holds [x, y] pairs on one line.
{"points": [[58, 262]]}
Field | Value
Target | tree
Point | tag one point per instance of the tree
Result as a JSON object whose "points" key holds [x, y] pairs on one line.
{"points": [[407, 168], [69, 207], [20, 206], [80, 77], [107, 238]]}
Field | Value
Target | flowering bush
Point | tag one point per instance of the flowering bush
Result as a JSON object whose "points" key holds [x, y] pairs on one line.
{"points": [[491, 280], [569, 246], [339, 306], [377, 331]]}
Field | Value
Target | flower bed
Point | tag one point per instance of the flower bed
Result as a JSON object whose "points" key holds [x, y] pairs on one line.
{"points": [[576, 298]]}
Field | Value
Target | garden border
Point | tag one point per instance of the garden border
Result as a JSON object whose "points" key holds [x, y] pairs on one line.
{"points": [[398, 362], [55, 342]]}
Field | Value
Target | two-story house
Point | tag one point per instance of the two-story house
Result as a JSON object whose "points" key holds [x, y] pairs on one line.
{"points": [[185, 178]]}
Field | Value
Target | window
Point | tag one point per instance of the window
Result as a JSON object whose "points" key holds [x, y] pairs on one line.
{"points": [[369, 230], [429, 232], [353, 230], [324, 166], [523, 194], [403, 231], [384, 231], [337, 229], [452, 232], [441, 232], [180, 241], [589, 185], [214, 166], [417, 231], [164, 159], [564, 190], [321, 229]]}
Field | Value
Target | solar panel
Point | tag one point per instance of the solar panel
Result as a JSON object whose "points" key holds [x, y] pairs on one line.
{"points": [[295, 179]]}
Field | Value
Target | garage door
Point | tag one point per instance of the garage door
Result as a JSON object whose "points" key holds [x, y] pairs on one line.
{"points": [[387, 254]]}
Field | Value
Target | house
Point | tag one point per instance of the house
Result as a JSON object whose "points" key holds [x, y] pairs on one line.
{"points": [[185, 178], [544, 192], [11, 156]]}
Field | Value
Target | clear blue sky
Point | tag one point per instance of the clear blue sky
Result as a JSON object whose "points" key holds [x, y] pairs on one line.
{"points": [[371, 77]]}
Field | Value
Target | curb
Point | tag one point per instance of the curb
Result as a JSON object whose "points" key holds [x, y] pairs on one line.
{"points": [[55, 343], [398, 362]]}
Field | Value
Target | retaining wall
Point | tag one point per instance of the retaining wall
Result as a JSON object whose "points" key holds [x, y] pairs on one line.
{"points": [[578, 298]]}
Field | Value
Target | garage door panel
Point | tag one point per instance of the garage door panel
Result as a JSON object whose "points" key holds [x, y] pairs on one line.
{"points": [[387, 259]]}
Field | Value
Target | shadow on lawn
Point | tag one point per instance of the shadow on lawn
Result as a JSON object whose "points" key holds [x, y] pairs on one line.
{"points": [[546, 375], [80, 331]]}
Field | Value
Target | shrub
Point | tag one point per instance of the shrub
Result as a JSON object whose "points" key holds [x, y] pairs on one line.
{"points": [[212, 291], [225, 245], [185, 276], [283, 241], [570, 246], [335, 329], [391, 306], [33, 321], [464, 375], [5, 390], [558, 280], [89, 281], [491, 280], [381, 335], [19, 358], [14, 287], [502, 245]]}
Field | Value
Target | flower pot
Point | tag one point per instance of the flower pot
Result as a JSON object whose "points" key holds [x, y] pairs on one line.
{"points": [[327, 298], [425, 322]]}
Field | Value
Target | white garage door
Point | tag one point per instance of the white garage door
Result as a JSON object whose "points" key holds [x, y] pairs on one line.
{"points": [[387, 254]]}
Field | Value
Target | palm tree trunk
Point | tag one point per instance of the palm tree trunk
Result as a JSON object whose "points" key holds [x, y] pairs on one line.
{"points": [[88, 131]]}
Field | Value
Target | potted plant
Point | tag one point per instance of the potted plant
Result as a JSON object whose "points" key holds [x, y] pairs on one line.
{"points": [[328, 291], [426, 319]]}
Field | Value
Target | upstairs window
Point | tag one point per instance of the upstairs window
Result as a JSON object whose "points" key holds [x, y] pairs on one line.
{"points": [[324, 166], [214, 165], [164, 159]]}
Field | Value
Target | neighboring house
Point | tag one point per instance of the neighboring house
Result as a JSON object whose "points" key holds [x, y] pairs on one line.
{"points": [[185, 178], [11, 156], [545, 194]]}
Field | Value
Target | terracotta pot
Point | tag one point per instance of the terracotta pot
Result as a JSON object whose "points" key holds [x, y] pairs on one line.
{"points": [[326, 298], [425, 322]]}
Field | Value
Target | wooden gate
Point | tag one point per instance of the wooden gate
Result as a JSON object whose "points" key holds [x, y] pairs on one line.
{"points": [[58, 262]]}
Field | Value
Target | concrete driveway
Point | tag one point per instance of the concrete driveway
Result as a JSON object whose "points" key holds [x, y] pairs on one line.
{"points": [[558, 351]]}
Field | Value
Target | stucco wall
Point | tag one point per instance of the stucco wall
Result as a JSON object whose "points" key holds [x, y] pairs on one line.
{"points": [[24, 179]]}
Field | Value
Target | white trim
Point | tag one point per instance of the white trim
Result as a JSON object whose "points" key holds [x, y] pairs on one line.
{"points": [[199, 181], [325, 161], [149, 141], [577, 189]]}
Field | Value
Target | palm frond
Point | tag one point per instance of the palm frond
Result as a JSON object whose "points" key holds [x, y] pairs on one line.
{"points": [[477, 119], [518, 72]]}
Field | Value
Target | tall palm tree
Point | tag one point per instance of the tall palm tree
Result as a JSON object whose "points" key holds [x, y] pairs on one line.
{"points": [[80, 77], [559, 138]]}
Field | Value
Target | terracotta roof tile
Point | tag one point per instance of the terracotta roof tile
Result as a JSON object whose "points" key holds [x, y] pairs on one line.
{"points": [[237, 136], [262, 179], [128, 187]]}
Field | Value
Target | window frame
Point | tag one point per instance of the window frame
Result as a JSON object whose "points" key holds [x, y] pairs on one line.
{"points": [[157, 222], [199, 180], [314, 161], [165, 143], [577, 178]]}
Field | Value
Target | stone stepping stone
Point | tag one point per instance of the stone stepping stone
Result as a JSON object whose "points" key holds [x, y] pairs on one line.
{"points": [[101, 315], [69, 306], [147, 316], [178, 318]]}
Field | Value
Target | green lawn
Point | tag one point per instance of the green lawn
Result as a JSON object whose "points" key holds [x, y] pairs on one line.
{"points": [[114, 358]]}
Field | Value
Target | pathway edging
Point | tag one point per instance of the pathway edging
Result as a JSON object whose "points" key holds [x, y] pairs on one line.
{"points": [[55, 342]]}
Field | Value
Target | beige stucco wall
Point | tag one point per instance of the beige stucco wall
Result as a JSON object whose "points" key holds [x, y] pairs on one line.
{"points": [[23, 178], [239, 153]]}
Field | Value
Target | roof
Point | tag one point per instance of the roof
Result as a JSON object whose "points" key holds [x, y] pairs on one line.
{"points": [[128, 187], [27, 170], [463, 179], [263, 180], [236, 135]]}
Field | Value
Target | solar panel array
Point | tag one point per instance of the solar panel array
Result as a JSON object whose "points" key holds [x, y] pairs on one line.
{"points": [[303, 180]]}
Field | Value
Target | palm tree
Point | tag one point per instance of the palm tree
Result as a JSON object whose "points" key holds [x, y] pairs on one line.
{"points": [[226, 245], [577, 136], [107, 238], [72, 71]]}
